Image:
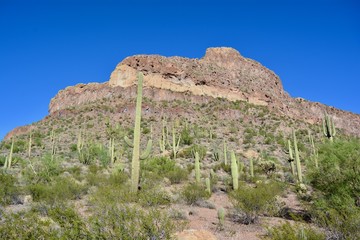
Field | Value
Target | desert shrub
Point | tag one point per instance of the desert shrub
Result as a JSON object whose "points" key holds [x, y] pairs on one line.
{"points": [[338, 224], [190, 151], [158, 165], [59, 190], [110, 189], [193, 193], [288, 231], [128, 222], [337, 189], [226, 167], [26, 226], [92, 152], [153, 196], [44, 170], [186, 137], [70, 225], [177, 175], [2, 160], [250, 201], [9, 192], [338, 175]]}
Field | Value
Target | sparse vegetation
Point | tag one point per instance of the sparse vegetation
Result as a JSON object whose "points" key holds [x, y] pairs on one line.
{"points": [[83, 190]]}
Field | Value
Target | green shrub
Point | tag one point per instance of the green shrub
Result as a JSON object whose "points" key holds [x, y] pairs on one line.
{"points": [[288, 231], [59, 190], [71, 226], [158, 165], [250, 201], [26, 226], [153, 196], [177, 175], [193, 193], [129, 222], [190, 152], [45, 170], [337, 189], [9, 192]]}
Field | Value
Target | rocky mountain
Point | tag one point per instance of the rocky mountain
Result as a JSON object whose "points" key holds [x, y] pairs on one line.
{"points": [[221, 73], [218, 133]]}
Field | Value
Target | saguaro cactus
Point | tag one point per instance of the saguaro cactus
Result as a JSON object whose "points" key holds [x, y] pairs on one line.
{"points": [[291, 158], [29, 145], [234, 171], [208, 185], [175, 144], [53, 144], [221, 217], [197, 168], [314, 151], [135, 163], [225, 153], [8, 160], [252, 167], [164, 137], [297, 159], [329, 127]]}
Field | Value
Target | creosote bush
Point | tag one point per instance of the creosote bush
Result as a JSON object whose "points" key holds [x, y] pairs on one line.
{"points": [[289, 231], [193, 193], [9, 192], [250, 201]]}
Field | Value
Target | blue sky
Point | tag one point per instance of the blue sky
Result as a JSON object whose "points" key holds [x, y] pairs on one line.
{"points": [[45, 46]]}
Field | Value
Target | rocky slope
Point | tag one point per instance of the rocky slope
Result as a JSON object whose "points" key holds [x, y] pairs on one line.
{"points": [[221, 73]]}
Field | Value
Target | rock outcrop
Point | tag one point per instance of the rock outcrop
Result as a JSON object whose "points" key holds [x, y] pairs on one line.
{"points": [[221, 73]]}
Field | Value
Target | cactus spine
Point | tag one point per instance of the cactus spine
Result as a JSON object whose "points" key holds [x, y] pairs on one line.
{"points": [[297, 159], [291, 158], [329, 127], [234, 171], [135, 163], [197, 167]]}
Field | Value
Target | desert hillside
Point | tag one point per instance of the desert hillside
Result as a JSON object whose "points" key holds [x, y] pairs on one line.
{"points": [[219, 151]]}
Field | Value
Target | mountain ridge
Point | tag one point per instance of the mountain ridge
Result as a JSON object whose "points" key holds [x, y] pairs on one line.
{"points": [[222, 73]]}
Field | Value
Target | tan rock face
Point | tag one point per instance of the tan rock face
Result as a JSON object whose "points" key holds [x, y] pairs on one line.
{"points": [[223, 73]]}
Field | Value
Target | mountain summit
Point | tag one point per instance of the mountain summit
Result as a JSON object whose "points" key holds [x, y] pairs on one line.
{"points": [[222, 73]]}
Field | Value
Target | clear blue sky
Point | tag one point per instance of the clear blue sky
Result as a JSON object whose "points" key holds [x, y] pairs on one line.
{"points": [[314, 46]]}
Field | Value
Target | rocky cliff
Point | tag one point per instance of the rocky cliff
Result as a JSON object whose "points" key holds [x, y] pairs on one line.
{"points": [[221, 73]]}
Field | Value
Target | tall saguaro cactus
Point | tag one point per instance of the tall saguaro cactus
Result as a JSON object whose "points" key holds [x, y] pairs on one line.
{"points": [[135, 163], [29, 145], [297, 158], [329, 127], [291, 158], [234, 171], [8, 160], [197, 168], [225, 153]]}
